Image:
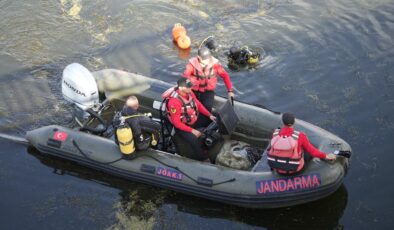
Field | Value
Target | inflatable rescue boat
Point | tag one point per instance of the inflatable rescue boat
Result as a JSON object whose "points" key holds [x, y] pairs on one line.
{"points": [[89, 143]]}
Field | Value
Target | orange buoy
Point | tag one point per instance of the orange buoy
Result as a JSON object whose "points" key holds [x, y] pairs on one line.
{"points": [[177, 31], [179, 36], [183, 42]]}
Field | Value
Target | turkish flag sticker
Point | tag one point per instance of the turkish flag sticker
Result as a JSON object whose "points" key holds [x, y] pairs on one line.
{"points": [[60, 136]]}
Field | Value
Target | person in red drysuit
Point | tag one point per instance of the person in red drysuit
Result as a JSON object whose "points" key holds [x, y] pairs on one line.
{"points": [[183, 110], [202, 71], [303, 145]]}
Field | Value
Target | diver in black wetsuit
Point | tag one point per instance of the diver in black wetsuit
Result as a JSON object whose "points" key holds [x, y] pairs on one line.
{"points": [[146, 132]]}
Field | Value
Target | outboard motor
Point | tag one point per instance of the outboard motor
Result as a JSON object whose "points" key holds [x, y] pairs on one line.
{"points": [[79, 87]]}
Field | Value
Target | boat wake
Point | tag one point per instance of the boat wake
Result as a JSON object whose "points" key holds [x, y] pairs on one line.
{"points": [[21, 140]]}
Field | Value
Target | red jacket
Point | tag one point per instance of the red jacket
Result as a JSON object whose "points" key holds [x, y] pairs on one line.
{"points": [[217, 70], [175, 107], [303, 142]]}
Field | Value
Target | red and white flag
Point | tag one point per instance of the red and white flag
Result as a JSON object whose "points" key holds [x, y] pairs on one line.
{"points": [[60, 136]]}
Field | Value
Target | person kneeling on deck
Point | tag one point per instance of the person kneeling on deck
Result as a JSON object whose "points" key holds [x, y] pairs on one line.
{"points": [[134, 126], [286, 152], [183, 109]]}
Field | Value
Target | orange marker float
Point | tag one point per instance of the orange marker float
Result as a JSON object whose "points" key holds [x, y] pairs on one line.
{"points": [[180, 37]]}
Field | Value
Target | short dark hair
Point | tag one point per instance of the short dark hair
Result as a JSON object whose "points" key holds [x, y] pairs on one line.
{"points": [[184, 82], [288, 119]]}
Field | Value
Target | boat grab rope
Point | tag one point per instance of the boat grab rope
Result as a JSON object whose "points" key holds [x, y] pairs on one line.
{"points": [[87, 157], [136, 156]]}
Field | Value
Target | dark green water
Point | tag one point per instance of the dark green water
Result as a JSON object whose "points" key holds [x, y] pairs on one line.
{"points": [[329, 62]]}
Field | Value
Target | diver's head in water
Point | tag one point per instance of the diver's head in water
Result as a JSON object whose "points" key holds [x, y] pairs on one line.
{"points": [[242, 57], [210, 43]]}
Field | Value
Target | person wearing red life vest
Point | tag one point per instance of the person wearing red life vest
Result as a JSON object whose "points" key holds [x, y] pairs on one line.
{"points": [[183, 111], [290, 149], [202, 71]]}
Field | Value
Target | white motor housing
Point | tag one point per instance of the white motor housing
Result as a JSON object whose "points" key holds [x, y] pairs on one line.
{"points": [[79, 86]]}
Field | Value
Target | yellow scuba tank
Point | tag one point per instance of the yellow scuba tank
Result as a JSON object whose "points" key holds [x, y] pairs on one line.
{"points": [[253, 59], [125, 138]]}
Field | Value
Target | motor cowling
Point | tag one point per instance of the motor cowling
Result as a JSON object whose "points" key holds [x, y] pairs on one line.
{"points": [[79, 86]]}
